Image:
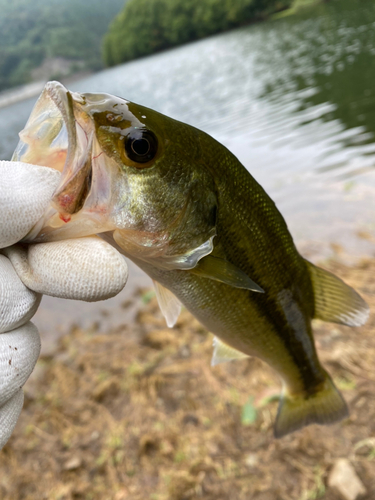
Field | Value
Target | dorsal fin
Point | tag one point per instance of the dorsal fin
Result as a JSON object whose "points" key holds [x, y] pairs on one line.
{"points": [[335, 301], [223, 352], [169, 304], [221, 270]]}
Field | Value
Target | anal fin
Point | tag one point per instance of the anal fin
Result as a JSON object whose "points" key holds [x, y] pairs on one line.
{"points": [[334, 300], [223, 352], [221, 270], [326, 406], [169, 304]]}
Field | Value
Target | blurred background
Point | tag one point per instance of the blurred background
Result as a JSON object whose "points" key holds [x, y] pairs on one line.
{"points": [[288, 87]]}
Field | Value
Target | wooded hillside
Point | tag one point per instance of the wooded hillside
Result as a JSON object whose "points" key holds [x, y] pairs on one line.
{"points": [[147, 26]]}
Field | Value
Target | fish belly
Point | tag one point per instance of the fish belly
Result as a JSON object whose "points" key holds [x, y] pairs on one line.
{"points": [[238, 318]]}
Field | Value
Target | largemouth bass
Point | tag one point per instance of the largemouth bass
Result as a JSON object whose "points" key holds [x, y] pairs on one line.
{"points": [[186, 211]]}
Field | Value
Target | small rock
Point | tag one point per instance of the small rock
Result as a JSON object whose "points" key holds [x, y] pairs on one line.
{"points": [[343, 478], [185, 351], [121, 495], [95, 435], [251, 460], [73, 463]]}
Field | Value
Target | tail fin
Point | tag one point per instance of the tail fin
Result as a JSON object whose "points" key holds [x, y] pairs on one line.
{"points": [[326, 406]]}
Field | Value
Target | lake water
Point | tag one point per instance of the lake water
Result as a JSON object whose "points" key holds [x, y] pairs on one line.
{"points": [[293, 98]]}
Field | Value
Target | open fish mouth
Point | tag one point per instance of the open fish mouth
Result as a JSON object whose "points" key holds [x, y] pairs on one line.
{"points": [[60, 135]]}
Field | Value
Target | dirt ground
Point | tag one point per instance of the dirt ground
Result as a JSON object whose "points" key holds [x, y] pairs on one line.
{"points": [[138, 413]]}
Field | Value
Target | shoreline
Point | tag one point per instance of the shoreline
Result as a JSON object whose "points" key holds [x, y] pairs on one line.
{"points": [[18, 94]]}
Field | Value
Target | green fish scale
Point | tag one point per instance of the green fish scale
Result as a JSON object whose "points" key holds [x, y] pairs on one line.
{"points": [[258, 242], [252, 235], [196, 172]]}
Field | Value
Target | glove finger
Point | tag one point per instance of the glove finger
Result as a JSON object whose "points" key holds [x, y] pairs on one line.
{"points": [[25, 191], [82, 269], [19, 351], [9, 414], [18, 304]]}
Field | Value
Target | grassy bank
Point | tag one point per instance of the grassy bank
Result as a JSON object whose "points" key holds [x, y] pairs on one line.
{"points": [[139, 414]]}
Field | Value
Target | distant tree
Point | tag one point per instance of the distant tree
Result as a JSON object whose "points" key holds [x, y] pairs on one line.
{"points": [[31, 30], [147, 26]]}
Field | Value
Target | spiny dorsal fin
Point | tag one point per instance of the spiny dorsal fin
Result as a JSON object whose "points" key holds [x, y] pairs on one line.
{"points": [[221, 270], [223, 352], [335, 301], [169, 304]]}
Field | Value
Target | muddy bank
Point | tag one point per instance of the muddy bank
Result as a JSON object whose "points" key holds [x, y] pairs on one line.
{"points": [[137, 412]]}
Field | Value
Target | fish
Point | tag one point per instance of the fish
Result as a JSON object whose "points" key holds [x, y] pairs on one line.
{"points": [[183, 208]]}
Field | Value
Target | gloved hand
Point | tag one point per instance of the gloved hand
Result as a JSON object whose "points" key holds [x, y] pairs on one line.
{"points": [[84, 268]]}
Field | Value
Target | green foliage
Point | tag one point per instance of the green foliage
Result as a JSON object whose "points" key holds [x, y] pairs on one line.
{"points": [[249, 412], [31, 30], [147, 26]]}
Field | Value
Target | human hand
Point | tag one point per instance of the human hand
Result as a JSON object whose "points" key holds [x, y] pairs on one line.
{"points": [[84, 268]]}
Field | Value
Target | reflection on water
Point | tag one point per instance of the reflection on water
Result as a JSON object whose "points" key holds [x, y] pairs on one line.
{"points": [[293, 98]]}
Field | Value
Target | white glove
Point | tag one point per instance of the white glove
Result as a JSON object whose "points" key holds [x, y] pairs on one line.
{"points": [[84, 268]]}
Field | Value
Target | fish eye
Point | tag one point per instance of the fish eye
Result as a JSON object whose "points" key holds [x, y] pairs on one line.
{"points": [[141, 145]]}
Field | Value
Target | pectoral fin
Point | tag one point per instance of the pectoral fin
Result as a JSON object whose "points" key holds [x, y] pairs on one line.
{"points": [[169, 304], [189, 260], [334, 300], [223, 352], [221, 270]]}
